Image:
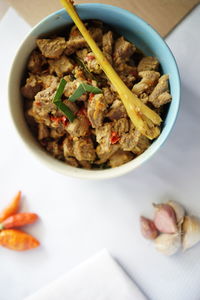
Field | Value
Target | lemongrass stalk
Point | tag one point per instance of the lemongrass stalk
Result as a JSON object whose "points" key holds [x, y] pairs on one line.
{"points": [[131, 102]]}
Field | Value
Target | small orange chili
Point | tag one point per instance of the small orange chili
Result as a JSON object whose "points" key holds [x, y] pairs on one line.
{"points": [[12, 208], [18, 220], [114, 138], [17, 240]]}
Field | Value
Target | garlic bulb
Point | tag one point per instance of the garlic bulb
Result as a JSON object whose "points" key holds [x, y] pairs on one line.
{"points": [[191, 230], [165, 218], [168, 244], [179, 211], [148, 228]]}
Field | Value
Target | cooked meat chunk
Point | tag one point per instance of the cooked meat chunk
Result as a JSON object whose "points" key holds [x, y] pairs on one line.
{"points": [[55, 149], [79, 73], [127, 73], [82, 53], [129, 140], [43, 106], [120, 126], [107, 44], [85, 164], [35, 62], [148, 63], [72, 161], [79, 127], [49, 81], [56, 133], [149, 80], [119, 158], [123, 50], [117, 111], [32, 87], [105, 155], [108, 95], [103, 135], [97, 34], [97, 110], [92, 64], [51, 48], [76, 40], [60, 66], [126, 69], [84, 149], [160, 94], [68, 147], [144, 97], [142, 145], [43, 132]]}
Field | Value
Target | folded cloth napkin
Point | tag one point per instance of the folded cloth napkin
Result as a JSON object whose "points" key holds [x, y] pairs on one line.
{"points": [[98, 278]]}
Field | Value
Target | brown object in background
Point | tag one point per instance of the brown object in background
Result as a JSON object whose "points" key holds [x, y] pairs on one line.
{"points": [[163, 15]]}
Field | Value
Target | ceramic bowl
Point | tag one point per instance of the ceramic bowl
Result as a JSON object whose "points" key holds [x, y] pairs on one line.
{"points": [[132, 28]]}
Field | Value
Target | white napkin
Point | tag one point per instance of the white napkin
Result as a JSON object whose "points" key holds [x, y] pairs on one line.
{"points": [[98, 278]]}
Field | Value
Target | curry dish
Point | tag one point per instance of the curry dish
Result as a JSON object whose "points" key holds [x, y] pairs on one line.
{"points": [[88, 127]]}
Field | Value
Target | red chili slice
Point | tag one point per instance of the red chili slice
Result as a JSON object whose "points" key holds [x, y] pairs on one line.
{"points": [[91, 96], [114, 138]]}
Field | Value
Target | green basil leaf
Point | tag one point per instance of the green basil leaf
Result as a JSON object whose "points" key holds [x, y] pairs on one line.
{"points": [[91, 89], [86, 71], [77, 94], [65, 109], [60, 90], [83, 88]]}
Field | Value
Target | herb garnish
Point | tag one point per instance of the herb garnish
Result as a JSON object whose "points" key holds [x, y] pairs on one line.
{"points": [[58, 102], [82, 89], [85, 69]]}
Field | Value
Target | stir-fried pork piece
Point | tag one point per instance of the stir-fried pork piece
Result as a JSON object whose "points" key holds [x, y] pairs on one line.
{"points": [[60, 66], [148, 63], [119, 158], [84, 149], [51, 48], [96, 110], [160, 94], [123, 50]]}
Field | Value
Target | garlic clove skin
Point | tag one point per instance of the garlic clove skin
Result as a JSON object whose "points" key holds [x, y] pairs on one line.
{"points": [[168, 244], [179, 211], [191, 232], [165, 218], [148, 228]]}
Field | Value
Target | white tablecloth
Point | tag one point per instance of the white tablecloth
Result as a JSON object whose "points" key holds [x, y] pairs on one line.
{"points": [[78, 218]]}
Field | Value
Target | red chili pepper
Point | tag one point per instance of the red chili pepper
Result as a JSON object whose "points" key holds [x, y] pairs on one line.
{"points": [[89, 57], [18, 220], [114, 138], [61, 119], [91, 96], [38, 103]]}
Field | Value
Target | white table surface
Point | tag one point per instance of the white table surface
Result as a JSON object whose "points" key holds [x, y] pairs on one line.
{"points": [[78, 218]]}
